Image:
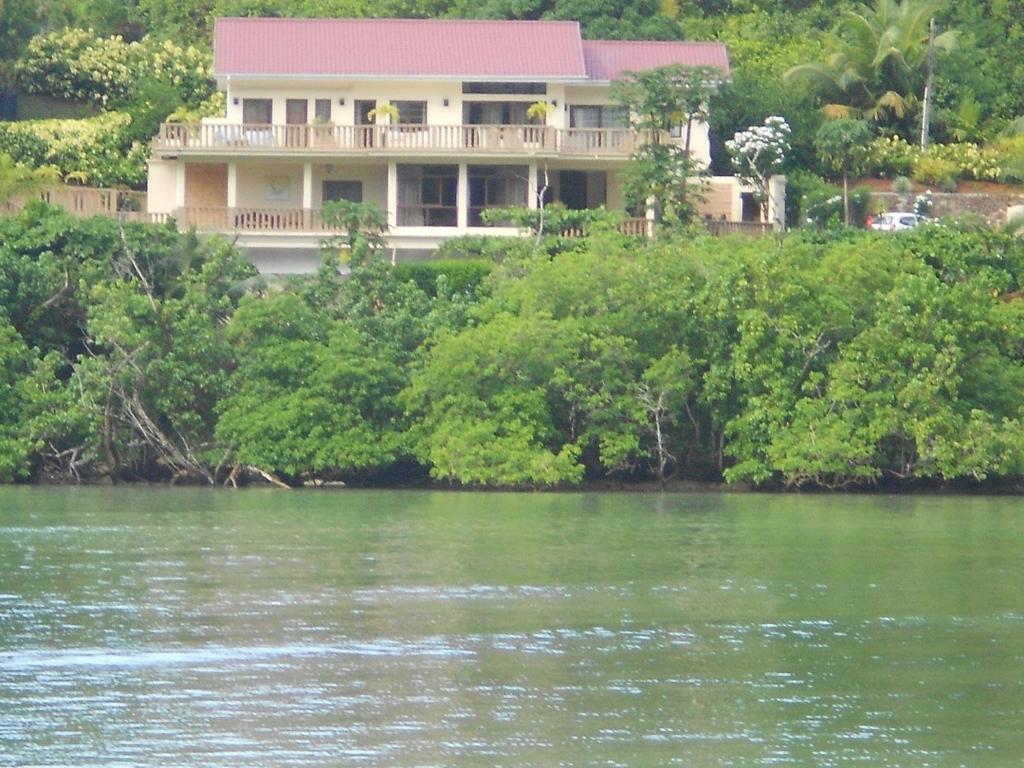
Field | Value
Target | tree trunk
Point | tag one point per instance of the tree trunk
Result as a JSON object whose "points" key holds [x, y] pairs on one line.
{"points": [[846, 198]]}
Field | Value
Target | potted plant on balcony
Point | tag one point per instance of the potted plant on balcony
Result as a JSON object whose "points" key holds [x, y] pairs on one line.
{"points": [[383, 115], [537, 113]]}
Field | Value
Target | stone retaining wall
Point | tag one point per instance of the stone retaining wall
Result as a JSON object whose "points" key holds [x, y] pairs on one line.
{"points": [[991, 207]]}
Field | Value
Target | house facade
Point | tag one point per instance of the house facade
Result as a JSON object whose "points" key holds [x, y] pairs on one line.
{"points": [[430, 120]]}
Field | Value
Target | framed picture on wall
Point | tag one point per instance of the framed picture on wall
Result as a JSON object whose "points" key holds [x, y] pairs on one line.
{"points": [[278, 189]]}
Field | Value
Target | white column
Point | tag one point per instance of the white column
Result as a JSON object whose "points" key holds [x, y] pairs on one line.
{"points": [[777, 202], [462, 197], [531, 188], [179, 185], [307, 186], [232, 185], [392, 194], [737, 200]]}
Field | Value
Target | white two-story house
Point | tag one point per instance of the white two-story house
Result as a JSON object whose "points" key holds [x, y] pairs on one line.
{"points": [[428, 119]]}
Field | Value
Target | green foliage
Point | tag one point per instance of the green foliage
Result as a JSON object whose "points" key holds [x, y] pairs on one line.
{"points": [[485, 247], [884, 387], [656, 100], [874, 67], [17, 23], [79, 64], [762, 45], [484, 427], [18, 179], [891, 156], [843, 144], [97, 150], [571, 370], [309, 397], [363, 225], [16, 361], [822, 206], [666, 173], [128, 358], [935, 171], [919, 393], [463, 276], [828, 358]]}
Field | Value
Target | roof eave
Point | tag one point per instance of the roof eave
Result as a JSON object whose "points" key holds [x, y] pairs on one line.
{"points": [[223, 77]]}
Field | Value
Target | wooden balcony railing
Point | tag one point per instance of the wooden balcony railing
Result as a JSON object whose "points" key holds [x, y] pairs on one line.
{"points": [[386, 139]]}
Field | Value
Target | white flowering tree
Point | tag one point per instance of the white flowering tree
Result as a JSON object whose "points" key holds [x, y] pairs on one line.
{"points": [[758, 153]]}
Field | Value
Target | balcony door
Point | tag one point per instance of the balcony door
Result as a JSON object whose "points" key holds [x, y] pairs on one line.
{"points": [[296, 115], [257, 111], [364, 129], [583, 189], [296, 111]]}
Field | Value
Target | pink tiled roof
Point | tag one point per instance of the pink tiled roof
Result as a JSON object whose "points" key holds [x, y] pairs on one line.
{"points": [[399, 48], [608, 59]]}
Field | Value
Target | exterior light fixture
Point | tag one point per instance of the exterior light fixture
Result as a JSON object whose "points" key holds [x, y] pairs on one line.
{"points": [[341, 102]]}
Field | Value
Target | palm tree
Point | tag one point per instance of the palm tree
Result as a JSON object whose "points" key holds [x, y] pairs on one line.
{"points": [[875, 65]]}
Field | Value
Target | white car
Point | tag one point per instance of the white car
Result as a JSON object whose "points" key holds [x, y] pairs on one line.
{"points": [[896, 221]]}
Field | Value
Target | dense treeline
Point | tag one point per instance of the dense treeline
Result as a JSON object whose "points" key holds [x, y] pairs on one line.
{"points": [[821, 359]]}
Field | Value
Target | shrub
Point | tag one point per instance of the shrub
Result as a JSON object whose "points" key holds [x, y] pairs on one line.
{"points": [[970, 160], [79, 64], [490, 247], [890, 156], [923, 203], [1010, 151], [461, 275], [823, 207], [801, 186], [901, 185], [95, 150], [934, 170], [76, 64]]}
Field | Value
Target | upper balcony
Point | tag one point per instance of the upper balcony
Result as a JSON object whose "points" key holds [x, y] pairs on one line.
{"points": [[390, 140]]}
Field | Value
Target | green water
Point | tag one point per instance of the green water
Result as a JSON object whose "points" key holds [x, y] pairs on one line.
{"points": [[195, 628]]}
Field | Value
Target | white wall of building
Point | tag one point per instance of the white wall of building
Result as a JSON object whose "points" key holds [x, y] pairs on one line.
{"points": [[160, 188]]}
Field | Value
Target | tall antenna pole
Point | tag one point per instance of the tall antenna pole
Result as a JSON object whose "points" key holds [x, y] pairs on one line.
{"points": [[927, 108]]}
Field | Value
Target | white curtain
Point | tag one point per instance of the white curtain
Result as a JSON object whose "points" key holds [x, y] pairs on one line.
{"points": [[410, 193]]}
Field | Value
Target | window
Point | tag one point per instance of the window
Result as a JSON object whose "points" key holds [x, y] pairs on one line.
{"points": [[427, 195], [296, 111], [322, 110], [522, 88], [343, 190], [597, 116], [257, 111], [496, 186], [411, 112], [496, 113]]}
